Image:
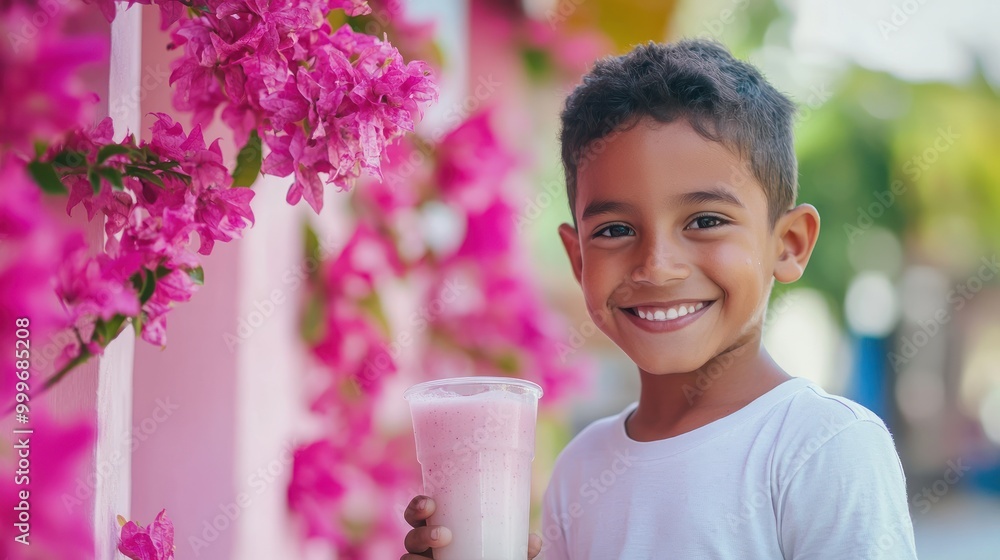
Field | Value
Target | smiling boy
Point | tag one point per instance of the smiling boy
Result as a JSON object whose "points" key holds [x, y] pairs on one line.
{"points": [[682, 180]]}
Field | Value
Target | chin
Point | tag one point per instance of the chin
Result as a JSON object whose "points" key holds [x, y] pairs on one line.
{"points": [[668, 367]]}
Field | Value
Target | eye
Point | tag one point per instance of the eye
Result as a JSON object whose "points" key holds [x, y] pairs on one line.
{"points": [[708, 222], [614, 230]]}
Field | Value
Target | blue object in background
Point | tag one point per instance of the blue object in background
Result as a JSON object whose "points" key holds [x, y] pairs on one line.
{"points": [[868, 385]]}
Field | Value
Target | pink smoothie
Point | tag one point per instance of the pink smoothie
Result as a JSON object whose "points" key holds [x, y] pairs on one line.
{"points": [[475, 443]]}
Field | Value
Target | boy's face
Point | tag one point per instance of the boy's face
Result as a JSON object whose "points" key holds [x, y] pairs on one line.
{"points": [[669, 223]]}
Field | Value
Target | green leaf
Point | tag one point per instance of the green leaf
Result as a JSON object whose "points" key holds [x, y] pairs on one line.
{"points": [[508, 362], [248, 162], [69, 158], [197, 274], [313, 325], [113, 176], [95, 179], [111, 150], [373, 305], [109, 330], [40, 147], [45, 175], [313, 252], [148, 286], [143, 174], [148, 155], [186, 179], [137, 322], [164, 165]]}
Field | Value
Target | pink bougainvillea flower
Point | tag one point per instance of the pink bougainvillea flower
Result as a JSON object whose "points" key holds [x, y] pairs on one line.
{"points": [[315, 489], [59, 524], [154, 542], [348, 492], [331, 102], [33, 246], [94, 287], [351, 7], [150, 225], [473, 164], [366, 256], [42, 106]]}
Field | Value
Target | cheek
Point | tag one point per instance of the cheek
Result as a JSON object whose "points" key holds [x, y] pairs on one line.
{"points": [[738, 270]]}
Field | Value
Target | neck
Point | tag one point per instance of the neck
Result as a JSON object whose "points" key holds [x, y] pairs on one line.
{"points": [[672, 404]]}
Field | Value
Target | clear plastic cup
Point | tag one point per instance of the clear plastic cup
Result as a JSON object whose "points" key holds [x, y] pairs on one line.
{"points": [[475, 439]]}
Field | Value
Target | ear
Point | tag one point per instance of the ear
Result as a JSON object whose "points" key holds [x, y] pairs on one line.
{"points": [[571, 241], [796, 233]]}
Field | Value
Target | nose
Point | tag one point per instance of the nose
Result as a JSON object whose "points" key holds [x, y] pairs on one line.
{"points": [[661, 262]]}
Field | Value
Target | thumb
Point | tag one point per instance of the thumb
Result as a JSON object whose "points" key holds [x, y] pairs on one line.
{"points": [[534, 545]]}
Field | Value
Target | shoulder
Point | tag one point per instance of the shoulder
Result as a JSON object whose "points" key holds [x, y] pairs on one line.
{"points": [[815, 423]]}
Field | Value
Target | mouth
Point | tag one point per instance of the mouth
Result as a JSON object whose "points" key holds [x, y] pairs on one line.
{"points": [[666, 318]]}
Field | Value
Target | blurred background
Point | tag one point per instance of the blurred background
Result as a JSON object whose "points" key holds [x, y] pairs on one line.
{"points": [[898, 134]]}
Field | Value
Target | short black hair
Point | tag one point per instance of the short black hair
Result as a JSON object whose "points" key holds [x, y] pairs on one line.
{"points": [[724, 99]]}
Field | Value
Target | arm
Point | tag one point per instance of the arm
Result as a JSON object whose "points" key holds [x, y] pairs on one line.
{"points": [[848, 500]]}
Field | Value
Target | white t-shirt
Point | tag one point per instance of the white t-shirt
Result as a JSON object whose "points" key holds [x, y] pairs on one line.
{"points": [[796, 474]]}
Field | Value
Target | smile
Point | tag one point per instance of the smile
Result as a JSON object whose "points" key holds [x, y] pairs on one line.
{"points": [[661, 319], [665, 314]]}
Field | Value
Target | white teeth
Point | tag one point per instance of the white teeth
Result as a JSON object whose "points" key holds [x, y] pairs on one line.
{"points": [[668, 314]]}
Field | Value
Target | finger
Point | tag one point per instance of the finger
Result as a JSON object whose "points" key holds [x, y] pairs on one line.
{"points": [[423, 538], [534, 545], [417, 512]]}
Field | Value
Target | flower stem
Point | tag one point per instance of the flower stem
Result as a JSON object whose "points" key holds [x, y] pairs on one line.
{"points": [[83, 357]]}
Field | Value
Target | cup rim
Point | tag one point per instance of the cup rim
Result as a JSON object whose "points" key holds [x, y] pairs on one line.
{"points": [[475, 379]]}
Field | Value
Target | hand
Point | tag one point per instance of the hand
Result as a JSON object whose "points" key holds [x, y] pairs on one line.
{"points": [[423, 538]]}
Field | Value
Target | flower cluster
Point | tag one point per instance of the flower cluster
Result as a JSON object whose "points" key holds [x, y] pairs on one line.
{"points": [[33, 248], [41, 105], [154, 542], [156, 197], [57, 524], [326, 103]]}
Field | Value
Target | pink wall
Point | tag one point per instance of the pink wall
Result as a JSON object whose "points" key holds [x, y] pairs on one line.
{"points": [[184, 395]]}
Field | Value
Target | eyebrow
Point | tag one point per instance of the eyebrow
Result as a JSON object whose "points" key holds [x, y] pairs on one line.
{"points": [[714, 194], [598, 207]]}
